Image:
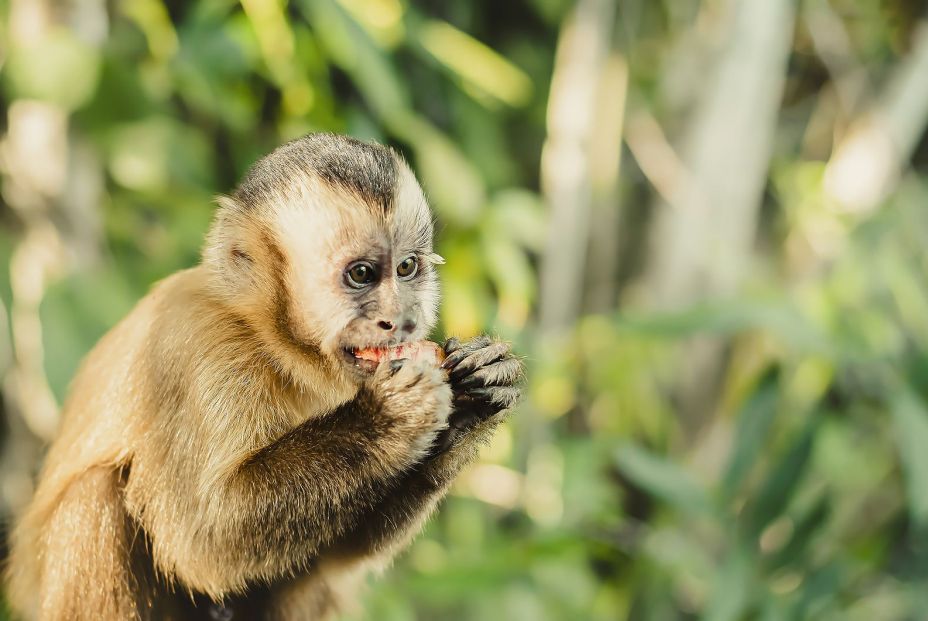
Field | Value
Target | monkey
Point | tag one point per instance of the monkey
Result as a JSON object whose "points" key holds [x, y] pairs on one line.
{"points": [[223, 452]]}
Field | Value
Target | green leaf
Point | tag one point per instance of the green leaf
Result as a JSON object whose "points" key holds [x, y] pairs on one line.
{"points": [[777, 315], [731, 593], [804, 529], [58, 68], [454, 187], [520, 215], [352, 49], [662, 479], [753, 427], [778, 489], [819, 590], [910, 418], [475, 63]]}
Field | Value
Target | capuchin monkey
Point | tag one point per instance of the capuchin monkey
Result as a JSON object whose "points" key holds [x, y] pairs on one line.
{"points": [[233, 449]]}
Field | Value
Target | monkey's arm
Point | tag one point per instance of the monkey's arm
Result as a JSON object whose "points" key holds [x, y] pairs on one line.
{"points": [[483, 375], [311, 485]]}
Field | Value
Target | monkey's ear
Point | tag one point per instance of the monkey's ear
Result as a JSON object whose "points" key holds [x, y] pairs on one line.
{"points": [[241, 256], [225, 248]]}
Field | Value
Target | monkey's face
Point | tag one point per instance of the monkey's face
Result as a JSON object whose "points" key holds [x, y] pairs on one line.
{"points": [[355, 276], [326, 248]]}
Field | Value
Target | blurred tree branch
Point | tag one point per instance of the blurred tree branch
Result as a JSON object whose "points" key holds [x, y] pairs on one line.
{"points": [[702, 242], [53, 184], [871, 158], [833, 45], [582, 52], [602, 273]]}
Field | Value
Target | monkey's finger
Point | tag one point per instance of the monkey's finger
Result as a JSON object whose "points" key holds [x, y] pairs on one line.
{"points": [[451, 346], [396, 365], [506, 372], [504, 396], [464, 419], [385, 371], [458, 426], [480, 358], [443, 441], [467, 348], [467, 405], [462, 350], [468, 414]]}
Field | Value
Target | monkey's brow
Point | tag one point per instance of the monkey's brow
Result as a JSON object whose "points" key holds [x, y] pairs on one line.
{"points": [[423, 252]]}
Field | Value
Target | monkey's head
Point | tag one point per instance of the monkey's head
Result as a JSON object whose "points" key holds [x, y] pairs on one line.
{"points": [[325, 248]]}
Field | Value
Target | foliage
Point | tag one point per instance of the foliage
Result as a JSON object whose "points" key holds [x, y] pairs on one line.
{"points": [[802, 492]]}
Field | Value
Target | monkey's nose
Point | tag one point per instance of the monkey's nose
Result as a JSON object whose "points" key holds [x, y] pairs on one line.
{"points": [[389, 326], [408, 326]]}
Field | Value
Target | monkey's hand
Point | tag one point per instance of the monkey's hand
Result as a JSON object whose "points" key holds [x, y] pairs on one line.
{"points": [[480, 384], [415, 398], [484, 377]]}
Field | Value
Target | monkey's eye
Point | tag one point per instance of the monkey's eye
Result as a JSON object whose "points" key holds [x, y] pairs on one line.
{"points": [[360, 274], [407, 268]]}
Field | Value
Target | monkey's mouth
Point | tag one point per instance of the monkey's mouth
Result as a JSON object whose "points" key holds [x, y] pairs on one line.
{"points": [[368, 358], [363, 358]]}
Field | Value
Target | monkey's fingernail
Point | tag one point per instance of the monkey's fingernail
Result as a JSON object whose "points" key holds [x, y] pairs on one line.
{"points": [[483, 393], [462, 371], [452, 345], [452, 359], [471, 381]]}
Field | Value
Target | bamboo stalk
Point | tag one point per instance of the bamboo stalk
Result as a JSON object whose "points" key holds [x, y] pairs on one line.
{"points": [[705, 223], [582, 50]]}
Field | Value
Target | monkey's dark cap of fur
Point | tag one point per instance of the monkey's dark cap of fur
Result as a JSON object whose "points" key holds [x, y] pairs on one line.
{"points": [[365, 169]]}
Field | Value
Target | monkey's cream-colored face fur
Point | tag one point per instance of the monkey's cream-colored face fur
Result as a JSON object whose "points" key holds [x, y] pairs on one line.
{"points": [[334, 272]]}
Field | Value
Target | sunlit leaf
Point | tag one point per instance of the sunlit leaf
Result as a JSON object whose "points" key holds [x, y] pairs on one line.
{"points": [[354, 51], [152, 18], [452, 183], [476, 63], [514, 279], [519, 215], [59, 68]]}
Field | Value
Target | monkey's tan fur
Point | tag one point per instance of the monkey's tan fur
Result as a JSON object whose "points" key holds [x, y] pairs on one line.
{"points": [[216, 444]]}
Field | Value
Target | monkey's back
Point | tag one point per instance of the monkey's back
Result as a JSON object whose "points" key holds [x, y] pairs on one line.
{"points": [[150, 412], [99, 424]]}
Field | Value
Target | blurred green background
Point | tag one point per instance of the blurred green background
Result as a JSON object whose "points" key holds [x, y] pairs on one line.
{"points": [[703, 223]]}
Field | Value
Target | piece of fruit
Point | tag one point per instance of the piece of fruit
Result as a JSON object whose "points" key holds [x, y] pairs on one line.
{"points": [[417, 351]]}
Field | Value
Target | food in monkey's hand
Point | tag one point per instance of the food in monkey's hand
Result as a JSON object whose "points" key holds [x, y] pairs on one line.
{"points": [[416, 351]]}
